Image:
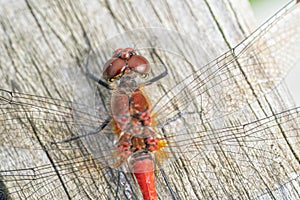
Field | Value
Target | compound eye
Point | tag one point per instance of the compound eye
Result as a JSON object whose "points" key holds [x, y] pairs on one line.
{"points": [[113, 68], [139, 64]]}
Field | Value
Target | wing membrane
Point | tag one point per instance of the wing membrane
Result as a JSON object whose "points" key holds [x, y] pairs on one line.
{"points": [[240, 76]]}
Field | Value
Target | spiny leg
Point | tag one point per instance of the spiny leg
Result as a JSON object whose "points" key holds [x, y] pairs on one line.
{"points": [[76, 137]]}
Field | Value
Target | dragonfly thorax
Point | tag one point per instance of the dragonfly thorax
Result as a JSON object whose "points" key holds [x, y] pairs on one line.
{"points": [[127, 82]]}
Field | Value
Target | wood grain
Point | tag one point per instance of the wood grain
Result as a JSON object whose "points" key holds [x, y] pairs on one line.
{"points": [[44, 49]]}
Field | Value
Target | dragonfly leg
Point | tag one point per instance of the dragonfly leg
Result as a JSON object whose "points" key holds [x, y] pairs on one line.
{"points": [[160, 76], [98, 80], [173, 193], [87, 72], [76, 137]]}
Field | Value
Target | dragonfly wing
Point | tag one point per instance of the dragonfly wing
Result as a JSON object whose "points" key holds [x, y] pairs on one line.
{"points": [[39, 169], [239, 77], [257, 160]]}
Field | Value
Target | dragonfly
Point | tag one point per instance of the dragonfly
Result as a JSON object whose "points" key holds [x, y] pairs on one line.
{"points": [[71, 155]]}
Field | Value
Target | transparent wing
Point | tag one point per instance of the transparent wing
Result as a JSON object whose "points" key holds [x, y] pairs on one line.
{"points": [[254, 157], [48, 114], [38, 168], [206, 154], [257, 160], [240, 76]]}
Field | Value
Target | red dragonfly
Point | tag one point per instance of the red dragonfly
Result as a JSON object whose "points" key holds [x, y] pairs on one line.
{"points": [[131, 112], [84, 147]]}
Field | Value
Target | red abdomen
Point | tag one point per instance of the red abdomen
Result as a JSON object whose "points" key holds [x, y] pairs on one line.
{"points": [[144, 174]]}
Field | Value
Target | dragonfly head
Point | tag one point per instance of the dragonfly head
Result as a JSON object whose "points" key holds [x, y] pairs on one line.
{"points": [[124, 53], [125, 60]]}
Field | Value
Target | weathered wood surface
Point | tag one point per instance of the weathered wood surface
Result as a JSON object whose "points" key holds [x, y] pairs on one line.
{"points": [[42, 52]]}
